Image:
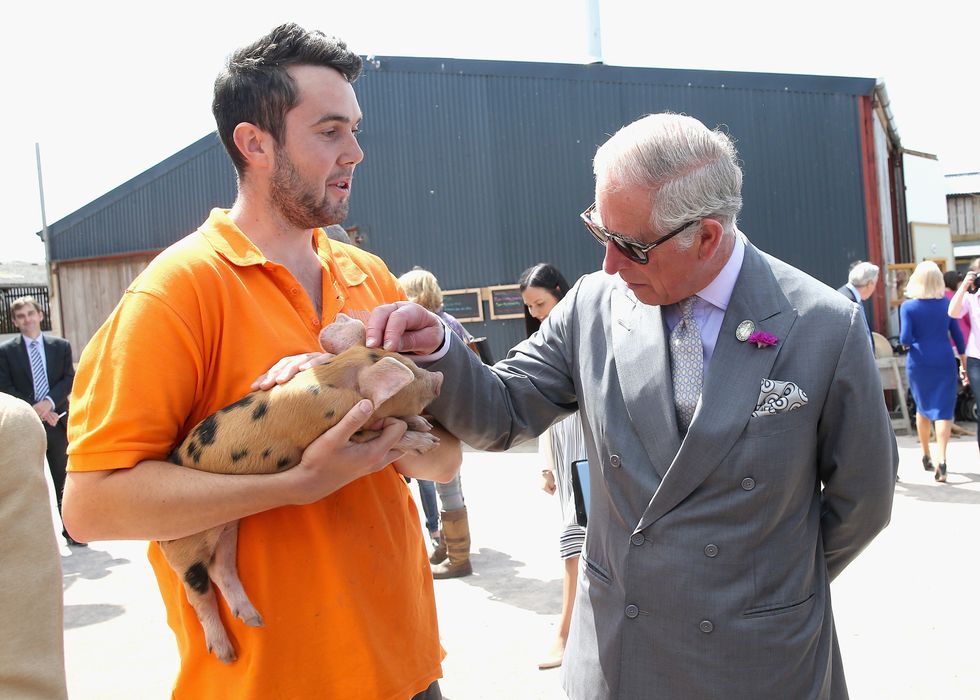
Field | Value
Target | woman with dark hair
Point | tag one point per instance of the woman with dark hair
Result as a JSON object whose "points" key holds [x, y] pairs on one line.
{"points": [[563, 444]]}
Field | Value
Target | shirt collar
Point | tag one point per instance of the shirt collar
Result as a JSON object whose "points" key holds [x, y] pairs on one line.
{"points": [[231, 243], [856, 294], [719, 292], [39, 338]]}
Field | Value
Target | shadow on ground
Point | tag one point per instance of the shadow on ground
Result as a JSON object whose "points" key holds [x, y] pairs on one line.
{"points": [[950, 492], [92, 614], [497, 574], [88, 563]]}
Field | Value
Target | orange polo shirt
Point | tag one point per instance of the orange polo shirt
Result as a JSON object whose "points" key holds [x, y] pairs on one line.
{"points": [[343, 584]]}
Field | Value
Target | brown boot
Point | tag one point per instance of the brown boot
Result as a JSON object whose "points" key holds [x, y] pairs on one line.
{"points": [[456, 535], [438, 548]]}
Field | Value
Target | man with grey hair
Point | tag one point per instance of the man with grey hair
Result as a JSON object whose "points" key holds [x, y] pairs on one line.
{"points": [[740, 453], [862, 281]]}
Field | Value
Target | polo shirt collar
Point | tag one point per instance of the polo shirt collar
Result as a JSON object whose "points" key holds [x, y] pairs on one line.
{"points": [[229, 241]]}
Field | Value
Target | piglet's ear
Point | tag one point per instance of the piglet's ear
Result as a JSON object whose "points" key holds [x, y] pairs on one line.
{"points": [[344, 333], [382, 380]]}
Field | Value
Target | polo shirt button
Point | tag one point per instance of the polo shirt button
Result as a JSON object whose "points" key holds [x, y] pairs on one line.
{"points": [[615, 461], [711, 550], [707, 626], [638, 538], [316, 321], [748, 483], [294, 291], [632, 611]]}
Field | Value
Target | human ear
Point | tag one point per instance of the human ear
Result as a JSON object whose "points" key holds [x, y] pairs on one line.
{"points": [[255, 145], [709, 238]]}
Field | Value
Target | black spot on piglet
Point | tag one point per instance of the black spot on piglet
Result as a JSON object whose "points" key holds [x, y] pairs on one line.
{"points": [[313, 389], [235, 456], [260, 410], [197, 578], [283, 461], [244, 401], [207, 430], [175, 457]]}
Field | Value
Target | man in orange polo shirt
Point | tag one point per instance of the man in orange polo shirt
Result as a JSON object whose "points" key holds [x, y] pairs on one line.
{"points": [[331, 551]]}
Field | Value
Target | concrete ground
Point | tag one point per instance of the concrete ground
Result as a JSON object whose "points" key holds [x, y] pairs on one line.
{"points": [[907, 609]]}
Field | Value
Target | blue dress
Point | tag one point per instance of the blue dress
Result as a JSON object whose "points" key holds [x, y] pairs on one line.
{"points": [[931, 365]]}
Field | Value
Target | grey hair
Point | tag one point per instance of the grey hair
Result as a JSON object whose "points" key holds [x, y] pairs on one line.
{"points": [[692, 172], [862, 273]]}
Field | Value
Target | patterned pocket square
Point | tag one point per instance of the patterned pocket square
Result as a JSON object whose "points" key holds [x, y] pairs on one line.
{"points": [[778, 397]]}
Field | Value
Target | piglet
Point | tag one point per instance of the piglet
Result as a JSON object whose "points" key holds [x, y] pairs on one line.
{"points": [[267, 431]]}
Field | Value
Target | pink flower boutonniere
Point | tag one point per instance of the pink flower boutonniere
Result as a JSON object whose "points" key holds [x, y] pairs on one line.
{"points": [[762, 339]]}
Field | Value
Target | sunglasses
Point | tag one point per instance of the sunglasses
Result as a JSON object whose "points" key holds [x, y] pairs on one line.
{"points": [[632, 249]]}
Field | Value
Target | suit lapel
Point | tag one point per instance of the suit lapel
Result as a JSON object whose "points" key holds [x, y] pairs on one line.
{"points": [[733, 383], [643, 369]]}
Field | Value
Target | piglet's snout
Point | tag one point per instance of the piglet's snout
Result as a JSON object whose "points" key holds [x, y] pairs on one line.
{"points": [[435, 382]]}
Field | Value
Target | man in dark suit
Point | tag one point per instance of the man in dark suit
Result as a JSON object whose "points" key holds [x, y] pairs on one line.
{"points": [[740, 451], [862, 281], [38, 369]]}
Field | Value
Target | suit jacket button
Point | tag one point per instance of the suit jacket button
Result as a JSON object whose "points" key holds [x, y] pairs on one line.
{"points": [[707, 626], [638, 538], [711, 550], [632, 611], [615, 461], [748, 483]]}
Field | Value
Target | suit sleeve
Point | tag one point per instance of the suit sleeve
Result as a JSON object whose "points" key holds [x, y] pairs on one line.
{"points": [[61, 387], [519, 397], [858, 456]]}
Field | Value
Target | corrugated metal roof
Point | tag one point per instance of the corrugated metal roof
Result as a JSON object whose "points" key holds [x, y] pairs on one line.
{"points": [[963, 183], [478, 169]]}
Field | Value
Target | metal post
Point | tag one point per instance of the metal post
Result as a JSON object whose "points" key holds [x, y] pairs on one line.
{"points": [[55, 317]]}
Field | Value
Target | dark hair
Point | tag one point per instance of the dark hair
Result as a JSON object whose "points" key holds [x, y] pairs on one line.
{"points": [[544, 276], [255, 86], [952, 279]]}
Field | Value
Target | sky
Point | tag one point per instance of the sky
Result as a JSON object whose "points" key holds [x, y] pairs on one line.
{"points": [[109, 89]]}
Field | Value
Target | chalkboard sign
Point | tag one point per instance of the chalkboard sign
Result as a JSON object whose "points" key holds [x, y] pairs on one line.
{"points": [[465, 305], [505, 302]]}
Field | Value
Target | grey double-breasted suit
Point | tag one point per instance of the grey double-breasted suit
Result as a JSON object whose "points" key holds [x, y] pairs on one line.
{"points": [[708, 561]]}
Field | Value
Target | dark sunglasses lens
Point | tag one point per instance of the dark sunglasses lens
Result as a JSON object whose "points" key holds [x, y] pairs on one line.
{"points": [[630, 251]]}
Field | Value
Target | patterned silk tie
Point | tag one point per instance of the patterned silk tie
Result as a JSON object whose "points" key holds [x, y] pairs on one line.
{"points": [[37, 369], [686, 364]]}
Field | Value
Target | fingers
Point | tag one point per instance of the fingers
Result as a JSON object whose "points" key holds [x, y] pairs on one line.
{"points": [[377, 324], [352, 422], [404, 327], [287, 368]]}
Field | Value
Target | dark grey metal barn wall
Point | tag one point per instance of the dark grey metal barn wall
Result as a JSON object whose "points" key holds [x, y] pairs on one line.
{"points": [[476, 170], [152, 210], [478, 174]]}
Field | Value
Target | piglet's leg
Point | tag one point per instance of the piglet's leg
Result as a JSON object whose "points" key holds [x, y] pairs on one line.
{"points": [[224, 573], [411, 441], [190, 557], [418, 423]]}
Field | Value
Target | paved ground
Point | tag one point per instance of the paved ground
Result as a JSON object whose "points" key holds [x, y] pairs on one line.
{"points": [[907, 609]]}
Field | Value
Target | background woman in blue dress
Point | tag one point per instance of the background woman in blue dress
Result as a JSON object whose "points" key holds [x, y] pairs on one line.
{"points": [[926, 330]]}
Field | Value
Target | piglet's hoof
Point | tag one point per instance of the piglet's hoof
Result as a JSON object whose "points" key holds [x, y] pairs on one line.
{"points": [[223, 650], [420, 443], [418, 423]]}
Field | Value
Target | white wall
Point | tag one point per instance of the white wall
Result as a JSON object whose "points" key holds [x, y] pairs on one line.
{"points": [[925, 190]]}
